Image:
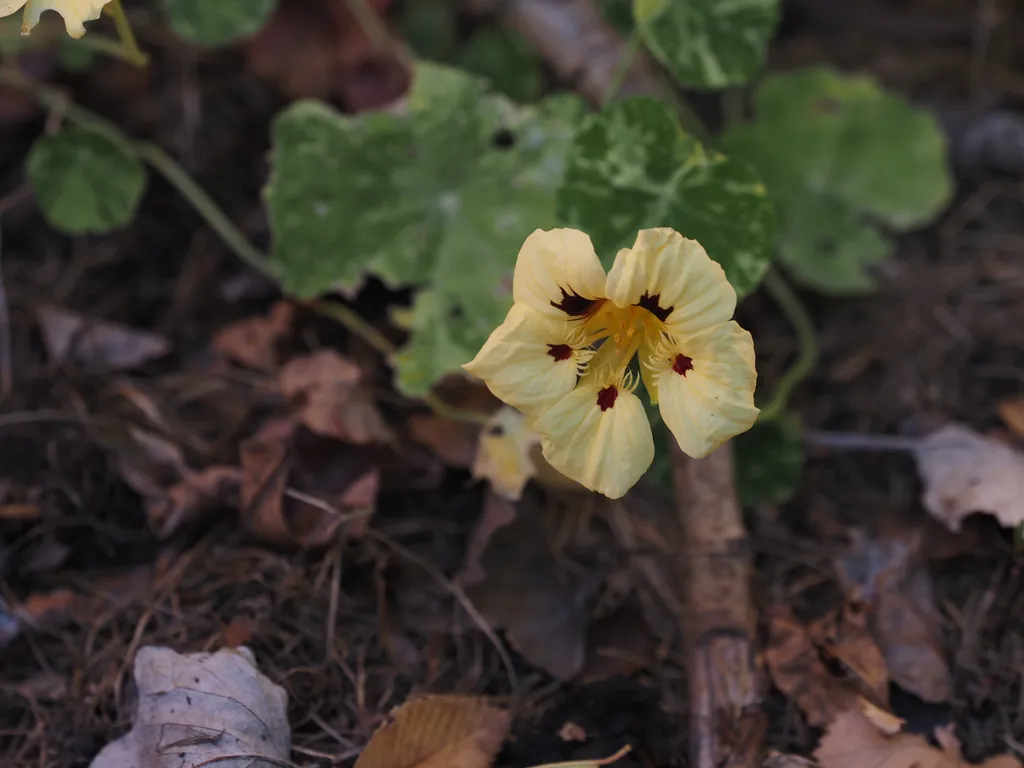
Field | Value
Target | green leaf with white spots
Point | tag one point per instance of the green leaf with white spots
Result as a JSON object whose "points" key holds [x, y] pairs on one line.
{"points": [[213, 23], [769, 461], [440, 197], [86, 181], [631, 167], [847, 163], [708, 43]]}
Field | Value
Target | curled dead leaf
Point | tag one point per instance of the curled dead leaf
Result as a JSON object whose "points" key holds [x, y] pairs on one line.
{"points": [[853, 741], [253, 341], [453, 441], [334, 401], [438, 732], [304, 490], [200, 708], [888, 577], [96, 345], [964, 472]]}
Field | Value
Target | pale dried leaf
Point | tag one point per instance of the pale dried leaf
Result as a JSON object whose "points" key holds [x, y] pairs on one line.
{"points": [[438, 732], [853, 741], [192, 497], [503, 453], [253, 341], [964, 472], [882, 719], [96, 344], [335, 403], [198, 708], [498, 512]]}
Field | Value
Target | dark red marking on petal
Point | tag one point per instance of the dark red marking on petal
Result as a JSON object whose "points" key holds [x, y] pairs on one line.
{"points": [[606, 397], [682, 364], [560, 351], [574, 305], [652, 305]]}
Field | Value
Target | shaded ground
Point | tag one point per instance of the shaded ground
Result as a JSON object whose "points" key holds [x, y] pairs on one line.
{"points": [[351, 630]]}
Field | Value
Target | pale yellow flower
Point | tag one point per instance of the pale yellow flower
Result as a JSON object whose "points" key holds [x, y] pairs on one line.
{"points": [[74, 12], [562, 356]]}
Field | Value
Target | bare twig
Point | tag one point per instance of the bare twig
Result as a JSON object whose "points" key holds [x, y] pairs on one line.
{"points": [[727, 682]]}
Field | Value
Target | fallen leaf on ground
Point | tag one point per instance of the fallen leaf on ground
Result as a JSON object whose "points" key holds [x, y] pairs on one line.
{"points": [[191, 498], [19, 511], [438, 732], [797, 669], [498, 512], [964, 472], [96, 344], [503, 453], [455, 442], [848, 640], [852, 741], [540, 604], [887, 578], [201, 708], [334, 401], [305, 489], [253, 341], [1012, 413], [618, 645]]}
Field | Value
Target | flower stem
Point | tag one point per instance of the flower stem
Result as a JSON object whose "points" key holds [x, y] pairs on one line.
{"points": [[130, 47], [618, 77], [807, 342]]}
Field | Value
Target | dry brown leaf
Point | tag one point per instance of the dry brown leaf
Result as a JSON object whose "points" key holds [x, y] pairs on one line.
{"points": [[253, 341], [438, 732], [888, 579], [539, 603], [853, 741], [849, 641], [1012, 413], [192, 497], [335, 403], [498, 512], [798, 671], [193, 709], [96, 344], [883, 720], [455, 442], [504, 453], [964, 472], [303, 489], [618, 644]]}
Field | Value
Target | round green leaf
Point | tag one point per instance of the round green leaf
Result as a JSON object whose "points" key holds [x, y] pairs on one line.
{"points": [[769, 461], [213, 23], [441, 198], [844, 161], [631, 167], [506, 60], [708, 43], [85, 180]]}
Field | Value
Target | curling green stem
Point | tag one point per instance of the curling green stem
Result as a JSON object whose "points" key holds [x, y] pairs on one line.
{"points": [[807, 343], [355, 323], [622, 66], [130, 46]]}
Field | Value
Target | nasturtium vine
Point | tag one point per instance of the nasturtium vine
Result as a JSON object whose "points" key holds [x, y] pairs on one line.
{"points": [[86, 180], [631, 167], [708, 43], [769, 461], [846, 162], [439, 197]]}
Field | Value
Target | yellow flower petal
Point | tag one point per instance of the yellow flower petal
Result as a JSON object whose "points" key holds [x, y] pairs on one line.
{"points": [[673, 278], [705, 388], [599, 437], [558, 274], [7, 7], [529, 361], [74, 12]]}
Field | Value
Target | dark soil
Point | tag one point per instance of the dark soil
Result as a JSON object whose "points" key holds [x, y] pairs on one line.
{"points": [[351, 630]]}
